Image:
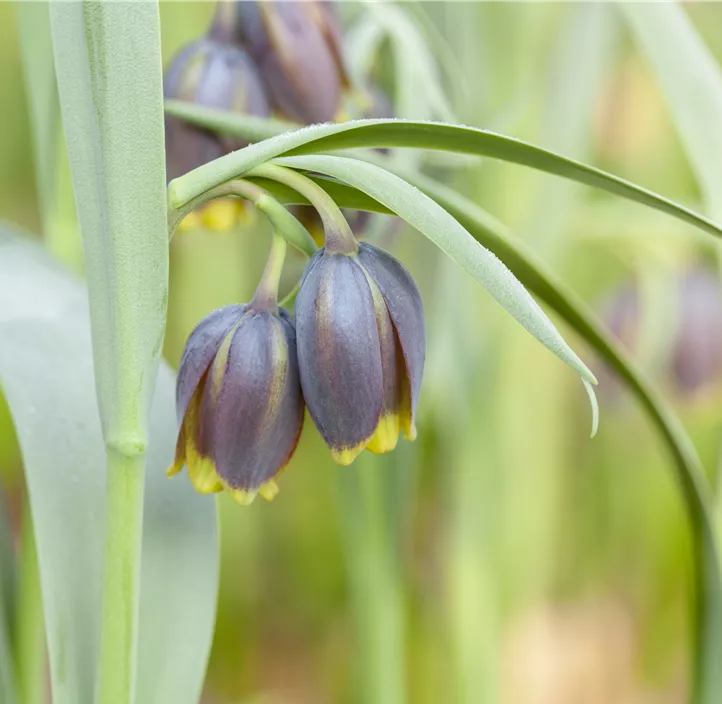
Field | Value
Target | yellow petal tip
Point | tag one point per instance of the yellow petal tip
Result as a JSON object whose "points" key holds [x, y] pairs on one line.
{"points": [[386, 436], [410, 431], [174, 468], [203, 475], [346, 455], [241, 496], [269, 490]]}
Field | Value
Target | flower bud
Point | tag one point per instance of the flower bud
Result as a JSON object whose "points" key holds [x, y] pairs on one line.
{"points": [[239, 401], [361, 349], [216, 75], [297, 48]]}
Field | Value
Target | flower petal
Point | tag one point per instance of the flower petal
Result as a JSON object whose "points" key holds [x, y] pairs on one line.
{"points": [[191, 447], [393, 371], [200, 350], [253, 404], [296, 63], [339, 354], [407, 314]]}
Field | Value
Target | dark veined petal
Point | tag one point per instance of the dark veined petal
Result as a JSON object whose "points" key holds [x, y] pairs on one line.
{"points": [[325, 17], [253, 405], [393, 371], [214, 74], [192, 446], [407, 314], [297, 65], [200, 350], [339, 354]]}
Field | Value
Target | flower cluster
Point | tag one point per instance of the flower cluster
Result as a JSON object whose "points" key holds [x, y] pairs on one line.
{"points": [[257, 58], [355, 353], [355, 357], [262, 59]]}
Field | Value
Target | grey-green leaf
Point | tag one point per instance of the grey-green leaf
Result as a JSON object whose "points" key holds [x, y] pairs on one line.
{"points": [[396, 133], [46, 373], [108, 64], [692, 82], [429, 218], [42, 97]]}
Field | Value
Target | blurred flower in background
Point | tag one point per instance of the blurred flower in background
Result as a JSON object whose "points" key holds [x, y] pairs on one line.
{"points": [[689, 353]]}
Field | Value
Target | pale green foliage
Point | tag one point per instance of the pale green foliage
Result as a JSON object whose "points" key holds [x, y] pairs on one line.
{"points": [[46, 372]]}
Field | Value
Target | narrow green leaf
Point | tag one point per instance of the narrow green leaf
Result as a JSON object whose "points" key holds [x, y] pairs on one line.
{"points": [[692, 82], [579, 67], [46, 372], [535, 276], [432, 220], [398, 133], [688, 467], [108, 63], [42, 95], [109, 70]]}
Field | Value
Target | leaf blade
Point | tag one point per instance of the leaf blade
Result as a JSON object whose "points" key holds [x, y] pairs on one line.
{"points": [[113, 124], [46, 365], [398, 133]]}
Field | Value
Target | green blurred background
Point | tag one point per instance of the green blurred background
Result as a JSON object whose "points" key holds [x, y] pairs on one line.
{"points": [[503, 556]]}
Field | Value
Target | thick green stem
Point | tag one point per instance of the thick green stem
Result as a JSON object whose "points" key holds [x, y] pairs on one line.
{"points": [[121, 586], [339, 237], [266, 296], [29, 624]]}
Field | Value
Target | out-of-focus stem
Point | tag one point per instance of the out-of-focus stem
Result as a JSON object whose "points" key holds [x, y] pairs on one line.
{"points": [[121, 585], [375, 581], [7, 600], [29, 624]]}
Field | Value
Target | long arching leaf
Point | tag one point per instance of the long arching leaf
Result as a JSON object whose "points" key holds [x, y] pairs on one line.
{"points": [[394, 133], [432, 220], [688, 468]]}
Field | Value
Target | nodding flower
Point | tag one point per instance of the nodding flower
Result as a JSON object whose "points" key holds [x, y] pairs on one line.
{"points": [[216, 75], [238, 394], [361, 349], [297, 48]]}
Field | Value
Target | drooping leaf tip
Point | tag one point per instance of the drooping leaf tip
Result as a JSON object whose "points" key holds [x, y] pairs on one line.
{"points": [[595, 406]]}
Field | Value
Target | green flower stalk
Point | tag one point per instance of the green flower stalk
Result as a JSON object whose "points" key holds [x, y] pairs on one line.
{"points": [[238, 395]]}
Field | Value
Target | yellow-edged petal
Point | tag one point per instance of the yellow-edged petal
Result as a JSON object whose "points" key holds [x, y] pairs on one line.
{"points": [[346, 455], [203, 474], [387, 434]]}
